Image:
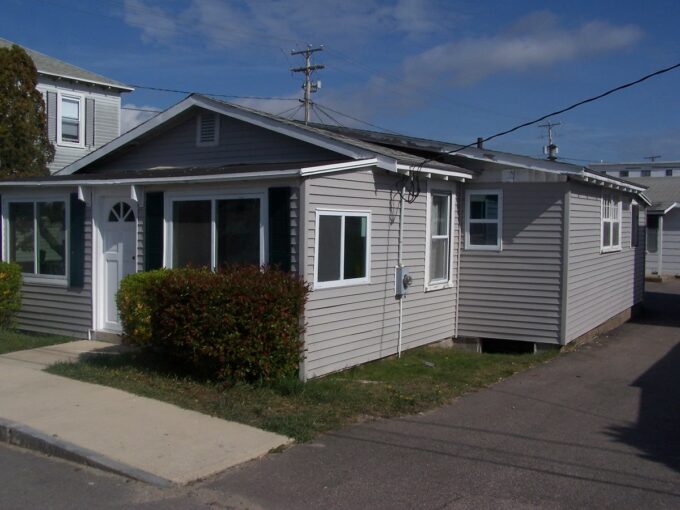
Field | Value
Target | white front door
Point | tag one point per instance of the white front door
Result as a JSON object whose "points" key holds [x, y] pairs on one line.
{"points": [[117, 225]]}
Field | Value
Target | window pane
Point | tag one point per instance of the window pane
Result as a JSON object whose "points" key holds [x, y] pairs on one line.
{"points": [[21, 249], [439, 259], [484, 207], [355, 247], [615, 233], [51, 238], [191, 226], [606, 234], [69, 108], [238, 232], [328, 238], [440, 215], [484, 234]]}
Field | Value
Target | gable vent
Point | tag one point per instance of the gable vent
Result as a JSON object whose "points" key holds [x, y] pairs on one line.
{"points": [[207, 130]]}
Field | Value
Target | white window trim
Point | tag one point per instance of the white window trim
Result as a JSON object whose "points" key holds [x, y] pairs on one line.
{"points": [[170, 198], [212, 143], [447, 283], [499, 238], [81, 124], [342, 282], [619, 203], [34, 277]]}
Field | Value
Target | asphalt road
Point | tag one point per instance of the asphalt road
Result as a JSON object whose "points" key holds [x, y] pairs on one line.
{"points": [[597, 428]]}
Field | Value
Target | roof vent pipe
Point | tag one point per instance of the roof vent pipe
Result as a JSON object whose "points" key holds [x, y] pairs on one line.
{"points": [[480, 142]]}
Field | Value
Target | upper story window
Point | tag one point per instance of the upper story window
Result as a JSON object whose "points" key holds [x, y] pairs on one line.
{"points": [[645, 173], [37, 237], [623, 173], [611, 223], [342, 248], [669, 172], [70, 122], [207, 129], [484, 220], [438, 249]]}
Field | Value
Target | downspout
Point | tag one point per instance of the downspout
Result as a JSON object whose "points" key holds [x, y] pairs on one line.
{"points": [[659, 245], [459, 193], [400, 264]]}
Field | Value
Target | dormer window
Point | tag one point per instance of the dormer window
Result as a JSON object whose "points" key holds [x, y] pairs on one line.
{"points": [[207, 130], [70, 125]]}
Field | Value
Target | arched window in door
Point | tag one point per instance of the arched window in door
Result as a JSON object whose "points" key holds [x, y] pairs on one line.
{"points": [[121, 212]]}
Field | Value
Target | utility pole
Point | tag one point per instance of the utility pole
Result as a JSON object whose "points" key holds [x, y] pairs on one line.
{"points": [[652, 158], [308, 69], [550, 150]]}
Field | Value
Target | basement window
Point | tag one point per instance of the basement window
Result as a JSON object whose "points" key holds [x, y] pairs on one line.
{"points": [[207, 130]]}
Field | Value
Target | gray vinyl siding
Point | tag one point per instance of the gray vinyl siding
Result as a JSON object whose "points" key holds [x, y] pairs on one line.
{"points": [[515, 293], [239, 143], [355, 324], [106, 117], [60, 310], [600, 285]]}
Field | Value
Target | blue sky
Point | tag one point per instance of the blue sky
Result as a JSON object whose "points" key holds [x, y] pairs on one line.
{"points": [[449, 70]]}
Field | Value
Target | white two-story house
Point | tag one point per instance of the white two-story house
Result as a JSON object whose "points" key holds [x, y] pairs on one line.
{"points": [[83, 108]]}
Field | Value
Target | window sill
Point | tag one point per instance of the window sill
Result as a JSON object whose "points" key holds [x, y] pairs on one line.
{"points": [[340, 283], [438, 286], [71, 145], [45, 281], [484, 248], [614, 249]]}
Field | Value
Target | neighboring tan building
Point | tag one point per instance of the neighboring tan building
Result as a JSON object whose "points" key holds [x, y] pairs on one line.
{"points": [[634, 170]]}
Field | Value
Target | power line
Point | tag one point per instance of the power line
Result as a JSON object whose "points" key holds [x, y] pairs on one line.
{"points": [[140, 109], [358, 120], [558, 112], [231, 96]]}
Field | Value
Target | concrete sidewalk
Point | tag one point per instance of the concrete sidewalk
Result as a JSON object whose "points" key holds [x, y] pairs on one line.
{"points": [[103, 427]]}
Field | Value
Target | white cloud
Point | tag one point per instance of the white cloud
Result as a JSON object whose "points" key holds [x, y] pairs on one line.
{"points": [[155, 23], [132, 116], [235, 24], [534, 41]]}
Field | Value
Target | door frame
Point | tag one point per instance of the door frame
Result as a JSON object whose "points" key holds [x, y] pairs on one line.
{"points": [[99, 217]]}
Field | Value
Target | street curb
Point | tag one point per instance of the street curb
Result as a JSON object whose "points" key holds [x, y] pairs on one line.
{"points": [[26, 437]]}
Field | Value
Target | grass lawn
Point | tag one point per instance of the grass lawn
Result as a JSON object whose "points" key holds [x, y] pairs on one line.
{"points": [[11, 340], [422, 379]]}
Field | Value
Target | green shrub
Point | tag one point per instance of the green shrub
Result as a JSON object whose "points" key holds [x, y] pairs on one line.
{"points": [[135, 300], [10, 293], [239, 324]]}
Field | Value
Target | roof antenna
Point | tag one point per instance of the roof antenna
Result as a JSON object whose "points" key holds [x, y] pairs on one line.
{"points": [[308, 69], [652, 158], [551, 149]]}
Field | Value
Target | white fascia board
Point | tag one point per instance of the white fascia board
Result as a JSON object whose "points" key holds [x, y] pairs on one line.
{"points": [[671, 207], [128, 137], [243, 176], [338, 167], [614, 182], [389, 164], [436, 171], [291, 131], [124, 88]]}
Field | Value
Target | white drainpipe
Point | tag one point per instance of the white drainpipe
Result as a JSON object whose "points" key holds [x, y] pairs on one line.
{"points": [[400, 264]]}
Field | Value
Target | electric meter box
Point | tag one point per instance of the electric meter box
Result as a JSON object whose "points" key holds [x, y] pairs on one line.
{"points": [[402, 280]]}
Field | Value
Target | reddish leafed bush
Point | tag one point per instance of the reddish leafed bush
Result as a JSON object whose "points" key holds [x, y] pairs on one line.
{"points": [[242, 323]]}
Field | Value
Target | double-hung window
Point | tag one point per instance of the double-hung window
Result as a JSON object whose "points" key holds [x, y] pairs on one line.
{"points": [[611, 223], [342, 248], [438, 255], [71, 125], [483, 220], [217, 232], [37, 237]]}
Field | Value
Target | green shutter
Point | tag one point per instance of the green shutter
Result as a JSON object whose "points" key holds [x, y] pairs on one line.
{"points": [[279, 228], [153, 231], [76, 273]]}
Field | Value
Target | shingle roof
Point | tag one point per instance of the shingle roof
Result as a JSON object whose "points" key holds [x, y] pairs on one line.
{"points": [[662, 191], [54, 67]]}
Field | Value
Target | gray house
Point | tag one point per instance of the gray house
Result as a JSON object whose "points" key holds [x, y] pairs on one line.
{"points": [[663, 225], [83, 108], [495, 245]]}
